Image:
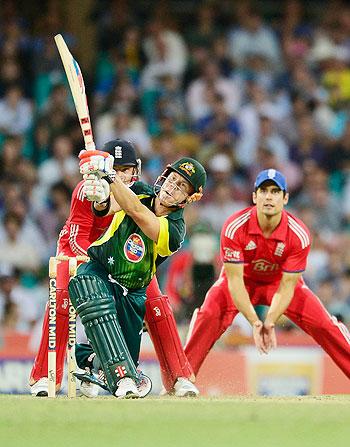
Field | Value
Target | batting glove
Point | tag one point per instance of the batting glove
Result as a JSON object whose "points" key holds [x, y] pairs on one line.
{"points": [[96, 189], [96, 162]]}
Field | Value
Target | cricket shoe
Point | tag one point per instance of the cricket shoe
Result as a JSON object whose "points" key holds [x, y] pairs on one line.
{"points": [[90, 383], [185, 388], [85, 384], [127, 389], [89, 389], [40, 388], [144, 384], [163, 392]]}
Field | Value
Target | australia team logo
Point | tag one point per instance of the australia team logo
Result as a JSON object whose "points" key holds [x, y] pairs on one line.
{"points": [[188, 168], [134, 248]]}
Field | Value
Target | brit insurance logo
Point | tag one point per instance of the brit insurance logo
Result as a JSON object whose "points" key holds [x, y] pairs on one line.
{"points": [[134, 248], [264, 266]]}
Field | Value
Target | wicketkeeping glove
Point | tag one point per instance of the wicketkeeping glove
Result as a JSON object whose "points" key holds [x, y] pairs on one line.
{"points": [[96, 162], [96, 189]]}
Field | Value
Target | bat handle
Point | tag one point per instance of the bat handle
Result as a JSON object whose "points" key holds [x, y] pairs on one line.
{"points": [[90, 146]]}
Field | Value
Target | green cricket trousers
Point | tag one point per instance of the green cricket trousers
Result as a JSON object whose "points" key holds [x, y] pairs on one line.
{"points": [[130, 308]]}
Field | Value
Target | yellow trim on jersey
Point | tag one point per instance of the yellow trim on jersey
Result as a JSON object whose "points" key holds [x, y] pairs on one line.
{"points": [[143, 196], [162, 245], [113, 227]]}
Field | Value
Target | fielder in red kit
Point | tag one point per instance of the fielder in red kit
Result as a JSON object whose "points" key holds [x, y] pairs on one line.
{"points": [[81, 229], [264, 251]]}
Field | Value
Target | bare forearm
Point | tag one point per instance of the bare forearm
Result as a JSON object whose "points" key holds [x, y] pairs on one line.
{"points": [[126, 199], [242, 301], [279, 304], [283, 297]]}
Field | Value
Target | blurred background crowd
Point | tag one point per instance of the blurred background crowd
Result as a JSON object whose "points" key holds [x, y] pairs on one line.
{"points": [[241, 86]]}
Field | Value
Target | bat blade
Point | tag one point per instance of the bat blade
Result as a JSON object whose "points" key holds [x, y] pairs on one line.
{"points": [[77, 88]]}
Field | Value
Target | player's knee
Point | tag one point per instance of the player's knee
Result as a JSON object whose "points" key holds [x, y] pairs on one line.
{"points": [[210, 312], [90, 297]]}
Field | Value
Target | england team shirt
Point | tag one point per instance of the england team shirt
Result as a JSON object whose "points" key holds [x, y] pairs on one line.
{"points": [[265, 259], [82, 226]]}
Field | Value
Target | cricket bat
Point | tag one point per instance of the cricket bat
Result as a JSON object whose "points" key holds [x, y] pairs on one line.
{"points": [[77, 88]]}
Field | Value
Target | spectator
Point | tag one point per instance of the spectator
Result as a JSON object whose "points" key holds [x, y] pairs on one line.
{"points": [[16, 112], [19, 306], [166, 54], [252, 36], [202, 90], [62, 166], [120, 123], [308, 148], [17, 252], [218, 117], [221, 205]]}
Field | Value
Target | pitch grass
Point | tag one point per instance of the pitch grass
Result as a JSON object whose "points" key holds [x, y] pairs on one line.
{"points": [[170, 422]]}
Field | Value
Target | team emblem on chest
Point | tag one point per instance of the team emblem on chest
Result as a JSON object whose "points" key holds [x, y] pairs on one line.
{"points": [[134, 248], [279, 249]]}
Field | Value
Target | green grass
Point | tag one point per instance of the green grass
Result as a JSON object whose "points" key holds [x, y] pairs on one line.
{"points": [[170, 422]]}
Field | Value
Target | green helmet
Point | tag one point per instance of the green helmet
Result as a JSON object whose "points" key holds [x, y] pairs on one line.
{"points": [[192, 171]]}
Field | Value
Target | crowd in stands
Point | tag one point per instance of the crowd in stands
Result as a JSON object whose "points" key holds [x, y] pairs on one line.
{"points": [[237, 87]]}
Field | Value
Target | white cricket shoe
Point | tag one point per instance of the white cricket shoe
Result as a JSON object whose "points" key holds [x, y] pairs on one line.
{"points": [[127, 389], [144, 385], [40, 388], [88, 389], [163, 392], [185, 388]]}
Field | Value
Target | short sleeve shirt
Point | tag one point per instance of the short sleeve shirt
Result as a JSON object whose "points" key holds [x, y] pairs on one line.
{"points": [[129, 256], [265, 259]]}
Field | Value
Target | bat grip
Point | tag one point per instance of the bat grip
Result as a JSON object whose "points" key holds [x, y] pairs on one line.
{"points": [[90, 146]]}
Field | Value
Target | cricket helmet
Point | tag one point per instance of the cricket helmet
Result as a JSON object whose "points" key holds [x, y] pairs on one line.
{"points": [[124, 154], [189, 169]]}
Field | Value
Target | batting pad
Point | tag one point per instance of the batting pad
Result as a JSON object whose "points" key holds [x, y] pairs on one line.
{"points": [[95, 306]]}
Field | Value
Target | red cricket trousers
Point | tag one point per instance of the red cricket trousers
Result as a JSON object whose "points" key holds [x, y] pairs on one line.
{"points": [[306, 310]]}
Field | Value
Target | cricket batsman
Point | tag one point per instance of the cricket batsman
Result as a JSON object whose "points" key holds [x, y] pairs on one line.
{"points": [[109, 291], [264, 250]]}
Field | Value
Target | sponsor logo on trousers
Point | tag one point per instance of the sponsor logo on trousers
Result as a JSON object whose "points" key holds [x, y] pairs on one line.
{"points": [[157, 311]]}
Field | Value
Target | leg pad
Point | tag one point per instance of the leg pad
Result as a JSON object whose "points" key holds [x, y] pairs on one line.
{"points": [[95, 305]]}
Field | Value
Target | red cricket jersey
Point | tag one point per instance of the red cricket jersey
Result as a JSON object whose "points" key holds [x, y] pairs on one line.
{"points": [[265, 259], [82, 227]]}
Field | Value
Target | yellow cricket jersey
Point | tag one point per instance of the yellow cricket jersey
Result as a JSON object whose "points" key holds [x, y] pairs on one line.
{"points": [[127, 253]]}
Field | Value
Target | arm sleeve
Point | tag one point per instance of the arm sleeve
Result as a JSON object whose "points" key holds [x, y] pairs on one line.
{"points": [[81, 222], [296, 261], [171, 236], [231, 250]]}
